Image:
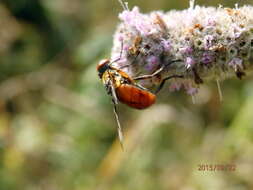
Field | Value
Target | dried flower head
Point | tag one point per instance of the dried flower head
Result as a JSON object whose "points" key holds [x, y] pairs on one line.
{"points": [[198, 43]]}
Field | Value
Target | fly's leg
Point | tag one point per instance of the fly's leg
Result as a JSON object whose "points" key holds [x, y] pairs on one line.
{"points": [[120, 133], [156, 72], [141, 87], [143, 77], [127, 65], [165, 79], [149, 76], [120, 55]]}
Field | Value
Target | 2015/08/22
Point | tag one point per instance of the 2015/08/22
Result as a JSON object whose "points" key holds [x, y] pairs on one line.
{"points": [[216, 167]]}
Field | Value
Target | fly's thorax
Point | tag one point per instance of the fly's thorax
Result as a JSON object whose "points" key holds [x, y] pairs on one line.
{"points": [[117, 78], [112, 78]]}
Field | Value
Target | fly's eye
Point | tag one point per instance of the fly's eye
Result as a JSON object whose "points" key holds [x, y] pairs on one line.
{"points": [[102, 66]]}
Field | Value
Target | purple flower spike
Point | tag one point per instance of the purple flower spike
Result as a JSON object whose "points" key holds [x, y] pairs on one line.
{"points": [[194, 43]]}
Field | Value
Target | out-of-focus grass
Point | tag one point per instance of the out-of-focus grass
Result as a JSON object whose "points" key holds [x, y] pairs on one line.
{"points": [[57, 128]]}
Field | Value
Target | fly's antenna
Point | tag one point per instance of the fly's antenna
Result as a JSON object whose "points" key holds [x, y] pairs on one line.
{"points": [[127, 65], [120, 133], [124, 5], [192, 4], [120, 55]]}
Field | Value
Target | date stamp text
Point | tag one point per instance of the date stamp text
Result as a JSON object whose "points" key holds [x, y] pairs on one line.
{"points": [[217, 167]]}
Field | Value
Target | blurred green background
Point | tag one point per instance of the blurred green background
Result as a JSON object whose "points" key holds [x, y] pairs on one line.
{"points": [[57, 128]]}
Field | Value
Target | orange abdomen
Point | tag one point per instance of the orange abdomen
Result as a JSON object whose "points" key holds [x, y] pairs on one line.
{"points": [[134, 96]]}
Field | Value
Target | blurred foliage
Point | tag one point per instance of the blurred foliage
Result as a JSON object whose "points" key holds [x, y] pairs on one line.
{"points": [[57, 128]]}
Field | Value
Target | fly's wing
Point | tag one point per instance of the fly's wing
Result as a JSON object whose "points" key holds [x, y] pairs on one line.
{"points": [[113, 93], [108, 81], [120, 133]]}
